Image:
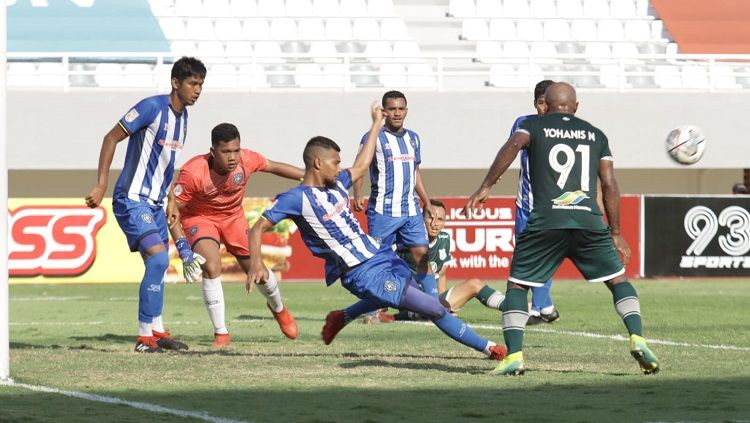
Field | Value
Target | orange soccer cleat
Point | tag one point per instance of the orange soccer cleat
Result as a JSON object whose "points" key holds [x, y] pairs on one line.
{"points": [[165, 340], [286, 322], [222, 340], [147, 344], [335, 321], [498, 352]]}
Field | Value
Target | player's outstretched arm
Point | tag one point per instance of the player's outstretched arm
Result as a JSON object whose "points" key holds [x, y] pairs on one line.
{"points": [[508, 152], [359, 201], [285, 170], [258, 272], [367, 150], [106, 154], [611, 200]]}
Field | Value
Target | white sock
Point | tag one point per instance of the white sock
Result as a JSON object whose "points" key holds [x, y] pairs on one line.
{"points": [[144, 329], [489, 345], [495, 300], [213, 296], [548, 310], [270, 290], [157, 324]]}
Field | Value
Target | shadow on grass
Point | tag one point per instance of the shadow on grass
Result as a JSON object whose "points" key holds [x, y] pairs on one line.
{"points": [[270, 317]]}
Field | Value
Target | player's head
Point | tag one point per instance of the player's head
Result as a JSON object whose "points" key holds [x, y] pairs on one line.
{"points": [[739, 188], [188, 75], [322, 158], [395, 110], [561, 98], [225, 148], [539, 104], [438, 221]]}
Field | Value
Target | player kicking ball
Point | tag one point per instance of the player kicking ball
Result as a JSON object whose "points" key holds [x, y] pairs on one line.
{"points": [[375, 274], [208, 194]]}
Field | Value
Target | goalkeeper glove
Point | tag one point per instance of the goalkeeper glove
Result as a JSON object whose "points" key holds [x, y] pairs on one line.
{"points": [[191, 262]]}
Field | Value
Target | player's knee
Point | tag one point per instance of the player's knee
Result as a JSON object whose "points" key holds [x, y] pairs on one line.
{"points": [[157, 263], [475, 284], [212, 269]]}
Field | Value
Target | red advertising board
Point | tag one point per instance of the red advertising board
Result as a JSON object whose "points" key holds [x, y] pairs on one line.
{"points": [[482, 245]]}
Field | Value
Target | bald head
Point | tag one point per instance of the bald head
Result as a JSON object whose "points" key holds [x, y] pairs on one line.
{"points": [[561, 98]]}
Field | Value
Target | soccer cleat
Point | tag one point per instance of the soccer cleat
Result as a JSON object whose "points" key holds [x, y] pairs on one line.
{"points": [[147, 344], [386, 318], [222, 340], [544, 318], [643, 355], [497, 352], [286, 322], [335, 321], [511, 365], [370, 318], [165, 340]]}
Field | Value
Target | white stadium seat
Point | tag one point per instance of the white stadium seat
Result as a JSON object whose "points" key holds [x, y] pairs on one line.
{"points": [[610, 30], [211, 49], [420, 75], [584, 30], [569, 9], [139, 75], [189, 8], [267, 51], [271, 8], [22, 74], [529, 30], [556, 30], [611, 76], [378, 51], [183, 48], [503, 76], [379, 8], [516, 8], [173, 28], [393, 29], [311, 29], [252, 76], [622, 9], [597, 52], [256, 29], [366, 29], [695, 76], [461, 8], [283, 29], [298, 8], [323, 51], [488, 51], [109, 75], [595, 8], [542, 8], [626, 52], [529, 75], [218, 8], [334, 76], [474, 29], [545, 52], [637, 30], [309, 75], [228, 29], [667, 76], [516, 50], [238, 51], [489, 8], [222, 76], [406, 49], [723, 77], [501, 29], [393, 75], [325, 8], [243, 8], [354, 8], [338, 29], [199, 29], [51, 74]]}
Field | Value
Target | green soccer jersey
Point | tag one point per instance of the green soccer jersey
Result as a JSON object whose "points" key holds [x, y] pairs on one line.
{"points": [[438, 253], [564, 157]]}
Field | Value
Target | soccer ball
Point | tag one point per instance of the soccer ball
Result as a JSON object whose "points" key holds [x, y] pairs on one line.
{"points": [[686, 144]]}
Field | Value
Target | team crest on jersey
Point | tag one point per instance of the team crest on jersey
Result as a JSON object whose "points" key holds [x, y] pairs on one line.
{"points": [[413, 143], [570, 200], [389, 286], [433, 266], [146, 217], [237, 178], [131, 116], [194, 230], [178, 190], [442, 254]]}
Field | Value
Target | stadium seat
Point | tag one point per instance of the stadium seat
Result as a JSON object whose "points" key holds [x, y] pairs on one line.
{"points": [[283, 29], [597, 52], [271, 8], [542, 8], [183, 48], [516, 8], [243, 8], [393, 29], [51, 74], [622, 9], [309, 75], [637, 30], [352, 47], [626, 52], [200, 29], [489, 8], [280, 76], [210, 49], [324, 52], [267, 52], [406, 49], [228, 29], [393, 75], [461, 8], [502, 76], [354, 8], [334, 76], [193, 8], [139, 75], [364, 76], [529, 75], [380, 8], [583, 30], [173, 28], [488, 51], [474, 29], [641, 77], [378, 51], [218, 8], [159, 7], [657, 30], [252, 76], [325, 8], [421, 75], [298, 8], [255, 29], [610, 30], [543, 52], [295, 48], [529, 30], [569, 9], [501, 29], [595, 8], [311, 29], [588, 77], [238, 51], [515, 50], [722, 77], [667, 76], [338, 29], [695, 76], [613, 76], [641, 7], [366, 29], [222, 76], [556, 30], [109, 75]]}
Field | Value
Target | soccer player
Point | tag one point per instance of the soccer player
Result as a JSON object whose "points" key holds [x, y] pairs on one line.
{"points": [[542, 309], [393, 214], [156, 127], [566, 157], [439, 254], [208, 194], [374, 273]]}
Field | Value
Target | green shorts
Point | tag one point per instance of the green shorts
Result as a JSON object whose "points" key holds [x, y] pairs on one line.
{"points": [[538, 254]]}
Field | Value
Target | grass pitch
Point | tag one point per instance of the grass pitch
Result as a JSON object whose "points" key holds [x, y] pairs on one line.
{"points": [[80, 338]]}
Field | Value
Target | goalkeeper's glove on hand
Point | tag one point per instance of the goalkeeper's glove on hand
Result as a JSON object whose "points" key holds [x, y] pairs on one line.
{"points": [[191, 262]]}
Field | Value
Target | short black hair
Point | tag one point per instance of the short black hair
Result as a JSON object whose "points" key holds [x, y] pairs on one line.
{"points": [[187, 67], [317, 142], [739, 188], [224, 132], [436, 203], [541, 87], [394, 95]]}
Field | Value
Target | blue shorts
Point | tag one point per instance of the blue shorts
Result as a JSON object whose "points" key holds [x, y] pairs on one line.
{"points": [[383, 277], [522, 218], [138, 219], [408, 231]]}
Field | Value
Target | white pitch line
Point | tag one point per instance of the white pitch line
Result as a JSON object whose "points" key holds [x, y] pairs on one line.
{"points": [[46, 298], [612, 337], [201, 415]]}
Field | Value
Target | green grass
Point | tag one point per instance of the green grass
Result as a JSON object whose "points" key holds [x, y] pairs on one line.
{"points": [[80, 338]]}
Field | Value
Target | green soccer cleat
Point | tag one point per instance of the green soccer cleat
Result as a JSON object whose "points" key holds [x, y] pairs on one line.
{"points": [[643, 355], [511, 365]]}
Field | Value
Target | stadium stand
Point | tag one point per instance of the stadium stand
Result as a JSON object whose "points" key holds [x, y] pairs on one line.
{"points": [[429, 44]]}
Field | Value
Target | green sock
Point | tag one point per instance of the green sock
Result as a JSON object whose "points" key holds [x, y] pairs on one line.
{"points": [[490, 298], [515, 315], [628, 307]]}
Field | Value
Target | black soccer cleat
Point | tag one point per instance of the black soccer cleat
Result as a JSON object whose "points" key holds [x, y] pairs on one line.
{"points": [[165, 340], [147, 344], [544, 318]]}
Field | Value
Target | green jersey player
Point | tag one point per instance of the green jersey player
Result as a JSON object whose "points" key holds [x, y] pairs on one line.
{"points": [[566, 156]]}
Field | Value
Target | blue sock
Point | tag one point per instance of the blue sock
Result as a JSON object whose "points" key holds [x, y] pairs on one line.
{"points": [[151, 292], [540, 296], [429, 284], [457, 329], [363, 306]]}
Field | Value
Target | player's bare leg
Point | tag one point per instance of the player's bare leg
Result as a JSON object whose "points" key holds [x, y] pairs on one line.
{"points": [[270, 290], [213, 292]]}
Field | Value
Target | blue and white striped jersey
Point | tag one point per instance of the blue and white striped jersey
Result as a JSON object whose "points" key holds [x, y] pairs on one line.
{"points": [[327, 225], [393, 173], [157, 134], [524, 198]]}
